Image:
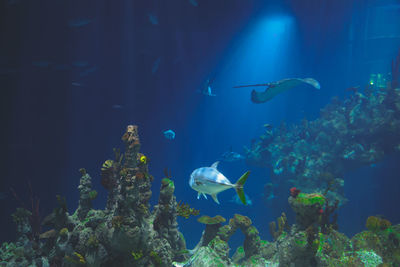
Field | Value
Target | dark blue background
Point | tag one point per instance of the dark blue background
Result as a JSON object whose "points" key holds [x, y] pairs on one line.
{"points": [[51, 128]]}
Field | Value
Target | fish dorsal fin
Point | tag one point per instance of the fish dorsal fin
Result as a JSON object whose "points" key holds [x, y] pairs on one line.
{"points": [[214, 196], [215, 165]]}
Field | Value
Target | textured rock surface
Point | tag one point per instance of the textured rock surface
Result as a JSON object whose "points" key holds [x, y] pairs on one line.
{"points": [[126, 233], [346, 136]]}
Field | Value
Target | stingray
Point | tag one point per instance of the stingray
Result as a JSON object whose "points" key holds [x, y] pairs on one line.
{"points": [[278, 87]]}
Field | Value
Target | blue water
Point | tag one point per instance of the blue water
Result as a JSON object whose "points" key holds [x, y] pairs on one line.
{"points": [[74, 74]]}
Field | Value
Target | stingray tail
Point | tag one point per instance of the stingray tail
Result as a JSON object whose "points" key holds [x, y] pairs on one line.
{"points": [[239, 187], [252, 85]]}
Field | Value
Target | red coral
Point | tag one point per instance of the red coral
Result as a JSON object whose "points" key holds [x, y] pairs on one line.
{"points": [[294, 192]]}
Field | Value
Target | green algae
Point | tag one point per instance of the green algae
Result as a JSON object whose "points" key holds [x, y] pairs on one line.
{"points": [[310, 199], [92, 242], [137, 255], [156, 258], [93, 194], [211, 220], [64, 232], [167, 182]]}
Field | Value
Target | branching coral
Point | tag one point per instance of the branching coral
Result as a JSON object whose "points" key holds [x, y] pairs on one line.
{"points": [[282, 226], [185, 211]]}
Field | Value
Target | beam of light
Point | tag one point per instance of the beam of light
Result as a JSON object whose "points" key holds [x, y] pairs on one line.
{"points": [[263, 48], [259, 54]]}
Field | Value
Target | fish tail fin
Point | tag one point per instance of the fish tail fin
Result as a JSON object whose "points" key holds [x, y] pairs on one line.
{"points": [[239, 187]]}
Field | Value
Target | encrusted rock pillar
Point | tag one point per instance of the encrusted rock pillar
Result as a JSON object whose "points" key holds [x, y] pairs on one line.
{"points": [[86, 195]]}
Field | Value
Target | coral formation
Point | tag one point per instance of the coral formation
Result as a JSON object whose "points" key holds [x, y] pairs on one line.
{"points": [[124, 229], [308, 208], [282, 226], [297, 247], [184, 210], [213, 248], [128, 233], [315, 155], [376, 224]]}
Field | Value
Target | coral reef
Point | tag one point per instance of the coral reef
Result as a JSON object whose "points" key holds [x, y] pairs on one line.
{"points": [[213, 248], [128, 233], [125, 233], [376, 224], [308, 208], [296, 246], [314, 155]]}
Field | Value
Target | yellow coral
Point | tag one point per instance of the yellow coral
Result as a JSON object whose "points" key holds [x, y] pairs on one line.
{"points": [[185, 210], [143, 159], [107, 165], [137, 255], [64, 232], [80, 257], [76, 259]]}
